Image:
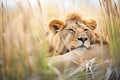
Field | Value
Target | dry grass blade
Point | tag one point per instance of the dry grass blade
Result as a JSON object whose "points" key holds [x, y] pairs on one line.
{"points": [[40, 9], [1, 38]]}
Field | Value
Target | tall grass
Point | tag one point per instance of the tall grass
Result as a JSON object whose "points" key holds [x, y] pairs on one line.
{"points": [[22, 57], [111, 13]]}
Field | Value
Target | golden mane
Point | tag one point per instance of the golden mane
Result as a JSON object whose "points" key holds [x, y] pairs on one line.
{"points": [[73, 16]]}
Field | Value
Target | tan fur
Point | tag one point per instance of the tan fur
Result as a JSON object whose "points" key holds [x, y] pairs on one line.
{"points": [[78, 56], [66, 35]]}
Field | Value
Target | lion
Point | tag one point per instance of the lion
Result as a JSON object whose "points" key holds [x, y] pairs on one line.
{"points": [[74, 32]]}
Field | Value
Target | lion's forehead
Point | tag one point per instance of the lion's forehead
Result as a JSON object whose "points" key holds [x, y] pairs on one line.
{"points": [[74, 23]]}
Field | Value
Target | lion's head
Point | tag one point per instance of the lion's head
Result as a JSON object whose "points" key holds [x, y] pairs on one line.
{"points": [[73, 33]]}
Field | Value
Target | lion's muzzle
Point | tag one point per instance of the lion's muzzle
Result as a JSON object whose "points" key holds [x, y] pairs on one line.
{"points": [[84, 41]]}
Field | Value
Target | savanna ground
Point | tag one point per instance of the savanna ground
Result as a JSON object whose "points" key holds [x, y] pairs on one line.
{"points": [[22, 21]]}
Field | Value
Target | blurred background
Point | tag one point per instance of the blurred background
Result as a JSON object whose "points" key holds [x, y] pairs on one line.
{"points": [[46, 10]]}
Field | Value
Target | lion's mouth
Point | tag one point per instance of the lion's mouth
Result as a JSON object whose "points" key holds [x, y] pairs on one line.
{"points": [[81, 46]]}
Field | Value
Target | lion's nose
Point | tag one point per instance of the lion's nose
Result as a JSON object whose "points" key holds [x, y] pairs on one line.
{"points": [[83, 39]]}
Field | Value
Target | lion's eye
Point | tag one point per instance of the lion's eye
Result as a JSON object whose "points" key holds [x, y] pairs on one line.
{"points": [[85, 30], [71, 30]]}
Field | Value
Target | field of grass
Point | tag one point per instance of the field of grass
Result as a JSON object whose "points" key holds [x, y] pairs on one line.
{"points": [[23, 48]]}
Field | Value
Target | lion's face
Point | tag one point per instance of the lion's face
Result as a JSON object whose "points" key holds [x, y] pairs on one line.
{"points": [[72, 33], [75, 35]]}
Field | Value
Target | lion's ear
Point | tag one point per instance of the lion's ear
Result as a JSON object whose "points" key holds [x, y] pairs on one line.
{"points": [[56, 25], [91, 24]]}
